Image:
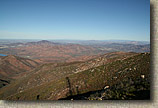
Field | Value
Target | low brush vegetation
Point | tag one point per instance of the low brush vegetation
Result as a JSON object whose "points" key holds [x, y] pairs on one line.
{"points": [[127, 77]]}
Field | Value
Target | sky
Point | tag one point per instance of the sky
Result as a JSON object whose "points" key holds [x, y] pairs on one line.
{"points": [[75, 19]]}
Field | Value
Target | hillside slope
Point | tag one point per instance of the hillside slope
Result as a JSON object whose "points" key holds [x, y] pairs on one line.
{"points": [[54, 71], [75, 82], [12, 67]]}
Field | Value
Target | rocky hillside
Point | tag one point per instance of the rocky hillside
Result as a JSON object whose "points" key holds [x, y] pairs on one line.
{"points": [[62, 80], [12, 67]]}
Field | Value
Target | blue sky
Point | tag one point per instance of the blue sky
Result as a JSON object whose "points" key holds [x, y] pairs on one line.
{"points": [[75, 19]]}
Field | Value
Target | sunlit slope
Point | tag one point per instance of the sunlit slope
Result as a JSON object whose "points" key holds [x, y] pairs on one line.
{"points": [[73, 83], [13, 67]]}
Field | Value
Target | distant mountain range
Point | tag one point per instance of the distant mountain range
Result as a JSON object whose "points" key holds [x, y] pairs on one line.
{"points": [[47, 51], [101, 42]]}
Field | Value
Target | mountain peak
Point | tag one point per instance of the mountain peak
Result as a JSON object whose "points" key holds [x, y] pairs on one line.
{"points": [[12, 65], [44, 41], [10, 57]]}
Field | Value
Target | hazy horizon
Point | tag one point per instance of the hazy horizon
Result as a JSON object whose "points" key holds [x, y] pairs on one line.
{"points": [[75, 20], [76, 39]]}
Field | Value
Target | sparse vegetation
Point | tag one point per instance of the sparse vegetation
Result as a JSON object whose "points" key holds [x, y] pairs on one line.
{"points": [[122, 75]]}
